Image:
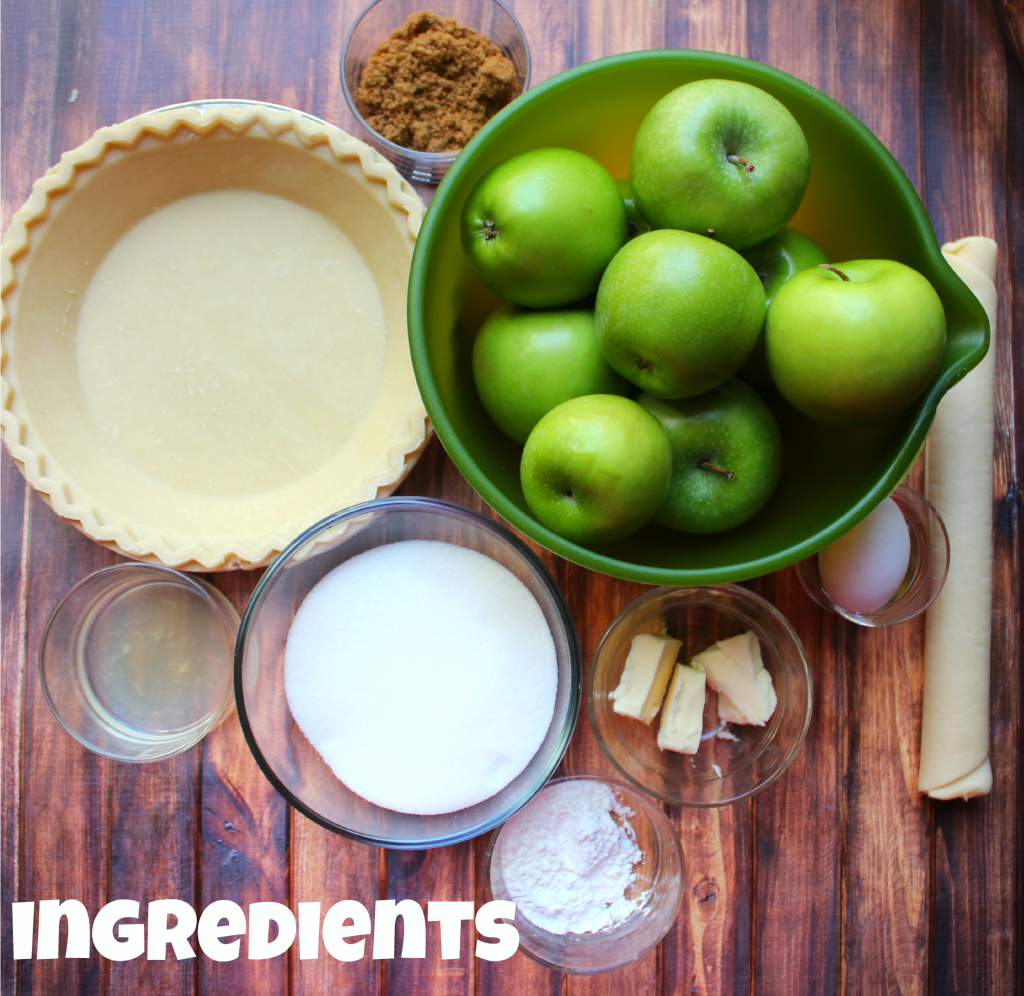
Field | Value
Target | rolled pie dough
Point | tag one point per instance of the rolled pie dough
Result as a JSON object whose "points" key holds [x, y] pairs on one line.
{"points": [[955, 714]]}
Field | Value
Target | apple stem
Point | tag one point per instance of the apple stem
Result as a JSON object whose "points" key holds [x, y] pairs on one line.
{"points": [[834, 269], [708, 465], [490, 231], [748, 166]]}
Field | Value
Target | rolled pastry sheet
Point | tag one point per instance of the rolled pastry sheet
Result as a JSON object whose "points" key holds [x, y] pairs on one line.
{"points": [[955, 712]]}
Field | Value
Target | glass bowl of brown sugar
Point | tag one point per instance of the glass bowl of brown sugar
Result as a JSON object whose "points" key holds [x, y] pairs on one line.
{"points": [[420, 82]]}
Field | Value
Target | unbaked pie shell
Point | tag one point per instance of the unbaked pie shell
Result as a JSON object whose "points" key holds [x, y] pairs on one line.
{"points": [[77, 213]]}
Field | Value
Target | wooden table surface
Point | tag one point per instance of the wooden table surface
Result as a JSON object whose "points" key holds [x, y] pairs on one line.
{"points": [[839, 878]]}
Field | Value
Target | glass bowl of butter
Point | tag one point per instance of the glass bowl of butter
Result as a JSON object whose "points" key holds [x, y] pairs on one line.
{"points": [[700, 696]]}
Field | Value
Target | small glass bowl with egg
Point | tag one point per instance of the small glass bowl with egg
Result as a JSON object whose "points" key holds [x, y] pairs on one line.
{"points": [[381, 714], [924, 561], [732, 759]]}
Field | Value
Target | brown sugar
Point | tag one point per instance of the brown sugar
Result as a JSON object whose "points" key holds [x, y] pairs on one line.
{"points": [[433, 83]]}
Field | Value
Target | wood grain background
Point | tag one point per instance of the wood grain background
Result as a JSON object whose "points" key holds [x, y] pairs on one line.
{"points": [[840, 878]]}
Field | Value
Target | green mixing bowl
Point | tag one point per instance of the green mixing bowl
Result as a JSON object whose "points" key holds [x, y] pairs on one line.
{"points": [[859, 204]]}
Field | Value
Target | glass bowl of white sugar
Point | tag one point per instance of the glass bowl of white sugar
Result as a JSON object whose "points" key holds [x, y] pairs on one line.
{"points": [[407, 673], [595, 870]]}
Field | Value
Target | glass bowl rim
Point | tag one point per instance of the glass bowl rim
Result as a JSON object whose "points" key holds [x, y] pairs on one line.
{"points": [[734, 591], [412, 504], [655, 815], [392, 149], [216, 598]]}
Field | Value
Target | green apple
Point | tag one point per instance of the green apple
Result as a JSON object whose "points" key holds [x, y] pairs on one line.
{"points": [[540, 228], [776, 259], [726, 457], [527, 362], [720, 157], [678, 313], [636, 224], [857, 343], [596, 468]]}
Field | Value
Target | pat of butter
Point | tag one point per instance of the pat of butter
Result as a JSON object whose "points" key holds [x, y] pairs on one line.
{"points": [[746, 695], [744, 650], [682, 719], [645, 676]]}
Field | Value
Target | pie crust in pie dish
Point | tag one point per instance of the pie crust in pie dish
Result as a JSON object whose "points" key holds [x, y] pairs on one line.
{"points": [[204, 332]]}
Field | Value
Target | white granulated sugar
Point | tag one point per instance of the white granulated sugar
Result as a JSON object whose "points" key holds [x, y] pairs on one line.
{"points": [[567, 864], [423, 673]]}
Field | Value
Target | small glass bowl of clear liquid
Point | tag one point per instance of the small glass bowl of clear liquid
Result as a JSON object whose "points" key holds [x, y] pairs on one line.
{"points": [[136, 661]]}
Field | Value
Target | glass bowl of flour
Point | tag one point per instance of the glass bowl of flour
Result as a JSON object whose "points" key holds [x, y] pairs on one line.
{"points": [[407, 673], [595, 870]]}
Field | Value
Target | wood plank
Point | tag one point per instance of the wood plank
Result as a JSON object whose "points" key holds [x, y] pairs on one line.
{"points": [[795, 934], [798, 837], [29, 39], [885, 862], [244, 835], [262, 52], [886, 925], [16, 524], [1010, 723], [156, 804], [808, 54], [445, 874], [65, 804], [604, 27], [968, 164], [594, 601], [708, 949], [326, 869], [426, 874], [550, 31], [713, 27], [323, 866], [571, 35], [64, 853], [152, 803]]}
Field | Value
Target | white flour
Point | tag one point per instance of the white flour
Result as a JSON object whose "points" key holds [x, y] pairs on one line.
{"points": [[423, 673], [567, 864]]}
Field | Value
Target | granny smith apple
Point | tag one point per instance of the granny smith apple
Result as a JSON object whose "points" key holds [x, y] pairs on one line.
{"points": [[726, 457], [596, 468], [857, 343], [540, 228], [636, 224], [776, 259], [722, 158], [527, 362], [678, 313]]}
